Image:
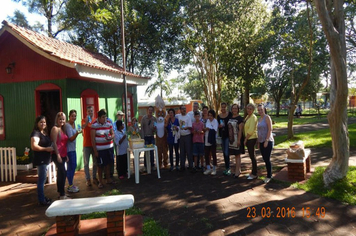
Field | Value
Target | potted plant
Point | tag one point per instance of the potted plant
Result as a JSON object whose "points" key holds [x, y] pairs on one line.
{"points": [[23, 162]]}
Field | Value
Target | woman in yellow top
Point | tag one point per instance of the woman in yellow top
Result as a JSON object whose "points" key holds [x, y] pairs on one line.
{"points": [[250, 130]]}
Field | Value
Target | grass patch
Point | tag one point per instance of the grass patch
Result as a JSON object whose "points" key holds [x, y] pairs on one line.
{"points": [[315, 139], [282, 122], [152, 228], [343, 190]]}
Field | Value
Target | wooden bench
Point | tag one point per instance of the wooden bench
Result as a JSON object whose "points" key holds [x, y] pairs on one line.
{"points": [[68, 212], [298, 168]]}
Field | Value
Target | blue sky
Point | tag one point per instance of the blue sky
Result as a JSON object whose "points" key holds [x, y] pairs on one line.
{"points": [[8, 7]]}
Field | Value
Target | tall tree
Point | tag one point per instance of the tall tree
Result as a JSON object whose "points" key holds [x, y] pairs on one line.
{"points": [[152, 31], [51, 9], [248, 48], [191, 85], [276, 80], [161, 83], [331, 15], [19, 19], [301, 49], [224, 42]]}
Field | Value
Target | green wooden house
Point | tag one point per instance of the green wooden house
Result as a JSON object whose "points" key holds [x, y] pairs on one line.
{"points": [[42, 76]]}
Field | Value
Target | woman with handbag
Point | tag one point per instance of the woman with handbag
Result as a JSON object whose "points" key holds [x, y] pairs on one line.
{"points": [[236, 139]]}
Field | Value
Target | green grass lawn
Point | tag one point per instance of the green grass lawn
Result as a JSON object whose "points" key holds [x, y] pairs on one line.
{"points": [[343, 190], [282, 122], [314, 139]]}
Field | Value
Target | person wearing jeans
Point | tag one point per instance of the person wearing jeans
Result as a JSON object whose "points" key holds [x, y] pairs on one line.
{"points": [[42, 147], [87, 146], [72, 134], [223, 119], [265, 139], [250, 130], [171, 124], [185, 142], [42, 176]]}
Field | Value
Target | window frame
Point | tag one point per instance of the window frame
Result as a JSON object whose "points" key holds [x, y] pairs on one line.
{"points": [[89, 93]]}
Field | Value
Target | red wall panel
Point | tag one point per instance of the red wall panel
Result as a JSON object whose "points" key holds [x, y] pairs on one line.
{"points": [[29, 65]]}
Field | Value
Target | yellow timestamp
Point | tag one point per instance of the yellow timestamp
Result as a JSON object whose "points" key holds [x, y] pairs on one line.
{"points": [[285, 212]]}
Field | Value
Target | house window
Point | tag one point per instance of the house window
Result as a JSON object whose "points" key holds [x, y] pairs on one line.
{"points": [[89, 97], [2, 118]]}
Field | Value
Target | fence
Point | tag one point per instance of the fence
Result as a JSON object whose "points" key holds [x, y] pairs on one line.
{"points": [[8, 166]]}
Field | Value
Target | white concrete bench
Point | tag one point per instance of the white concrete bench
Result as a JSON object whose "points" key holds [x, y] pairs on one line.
{"points": [[67, 212], [298, 168]]}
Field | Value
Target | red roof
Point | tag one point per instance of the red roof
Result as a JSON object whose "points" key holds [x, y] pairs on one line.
{"points": [[66, 51]]}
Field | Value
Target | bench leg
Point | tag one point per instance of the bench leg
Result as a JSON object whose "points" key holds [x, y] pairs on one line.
{"points": [[297, 171], [68, 225], [308, 163], [115, 223]]}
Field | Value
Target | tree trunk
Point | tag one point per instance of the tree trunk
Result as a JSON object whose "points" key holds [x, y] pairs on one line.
{"points": [[246, 98], [291, 110], [331, 15], [278, 106]]}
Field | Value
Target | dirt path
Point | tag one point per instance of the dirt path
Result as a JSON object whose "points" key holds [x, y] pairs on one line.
{"points": [[309, 127]]}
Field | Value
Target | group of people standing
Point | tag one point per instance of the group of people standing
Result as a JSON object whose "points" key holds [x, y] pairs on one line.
{"points": [[59, 146], [193, 136]]}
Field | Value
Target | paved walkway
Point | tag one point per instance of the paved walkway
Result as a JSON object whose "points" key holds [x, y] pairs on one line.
{"points": [[194, 204]]}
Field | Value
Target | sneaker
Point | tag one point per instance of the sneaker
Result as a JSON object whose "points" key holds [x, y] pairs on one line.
{"points": [[213, 172], [194, 170], [251, 176], [48, 199], [88, 183], [122, 177], [171, 169], [73, 189], [64, 197], [227, 172], [267, 180], [95, 181], [208, 171], [177, 168], [46, 202]]}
